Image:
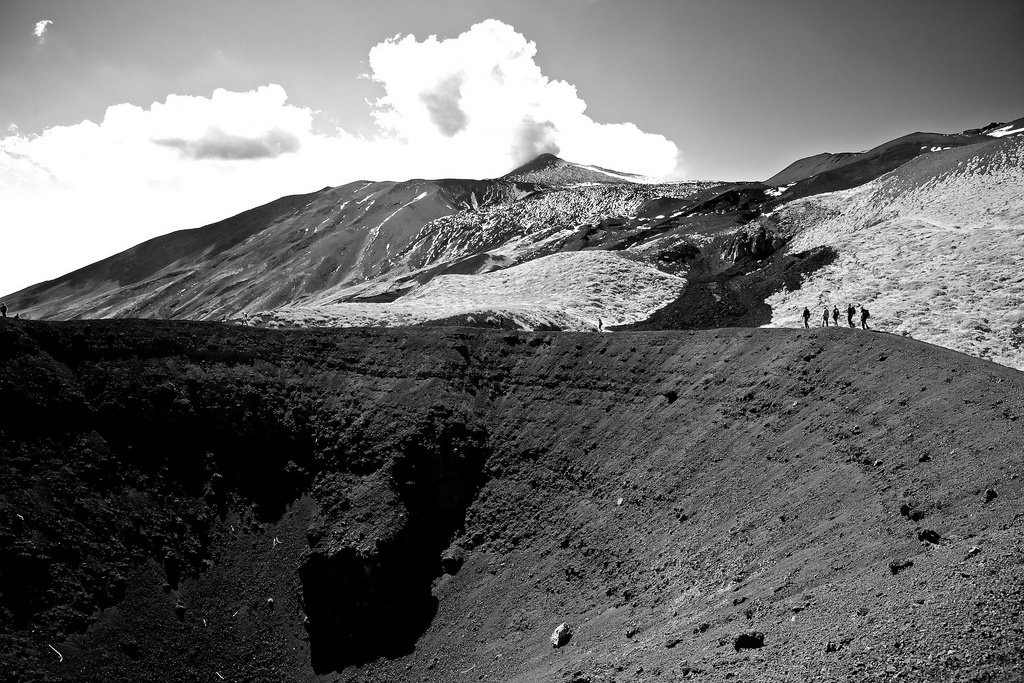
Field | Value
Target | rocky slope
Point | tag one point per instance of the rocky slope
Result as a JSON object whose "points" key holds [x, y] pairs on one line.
{"points": [[934, 249], [831, 172], [213, 502], [276, 254]]}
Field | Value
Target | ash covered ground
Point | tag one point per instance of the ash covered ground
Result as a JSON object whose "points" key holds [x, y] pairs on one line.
{"points": [[184, 501]]}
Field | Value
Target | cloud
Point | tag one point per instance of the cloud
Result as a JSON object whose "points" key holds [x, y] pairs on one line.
{"points": [[40, 29], [216, 144], [12, 128], [442, 105], [490, 105], [476, 105]]}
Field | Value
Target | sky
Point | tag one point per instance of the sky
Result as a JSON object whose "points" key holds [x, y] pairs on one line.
{"points": [[121, 120]]}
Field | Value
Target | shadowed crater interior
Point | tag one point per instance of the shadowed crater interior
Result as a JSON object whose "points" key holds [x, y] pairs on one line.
{"points": [[366, 581]]}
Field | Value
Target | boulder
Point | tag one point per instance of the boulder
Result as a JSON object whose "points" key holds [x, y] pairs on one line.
{"points": [[452, 559], [561, 635], [744, 641], [896, 566]]}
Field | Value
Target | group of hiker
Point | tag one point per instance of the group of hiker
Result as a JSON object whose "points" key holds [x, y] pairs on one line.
{"points": [[851, 311]]}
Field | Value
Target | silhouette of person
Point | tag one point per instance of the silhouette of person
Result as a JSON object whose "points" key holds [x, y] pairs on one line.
{"points": [[835, 316], [600, 325], [864, 315], [850, 310], [824, 317], [807, 317], [3, 309]]}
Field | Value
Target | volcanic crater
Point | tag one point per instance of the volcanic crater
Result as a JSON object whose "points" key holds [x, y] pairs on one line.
{"points": [[185, 501]]}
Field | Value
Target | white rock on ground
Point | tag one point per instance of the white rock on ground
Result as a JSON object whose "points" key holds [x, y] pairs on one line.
{"points": [[560, 636]]}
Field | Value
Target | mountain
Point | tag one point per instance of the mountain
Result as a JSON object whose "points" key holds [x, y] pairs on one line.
{"points": [[211, 500], [277, 253], [829, 172], [555, 244], [547, 169], [362, 242]]}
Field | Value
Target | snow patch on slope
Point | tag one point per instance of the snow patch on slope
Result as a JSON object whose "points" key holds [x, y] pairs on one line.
{"points": [[627, 177], [565, 290], [938, 258], [1004, 131]]}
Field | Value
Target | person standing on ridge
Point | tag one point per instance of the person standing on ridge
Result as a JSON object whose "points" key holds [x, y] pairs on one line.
{"points": [[864, 315], [807, 317], [835, 316], [3, 309], [600, 325], [850, 310], [824, 317]]}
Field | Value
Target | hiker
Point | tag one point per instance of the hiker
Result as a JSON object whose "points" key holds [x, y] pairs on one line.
{"points": [[864, 315], [807, 317], [850, 310], [600, 325], [824, 317], [835, 316], [3, 309]]}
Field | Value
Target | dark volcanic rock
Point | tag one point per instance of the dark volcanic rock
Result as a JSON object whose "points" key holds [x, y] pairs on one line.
{"points": [[357, 587], [757, 245], [745, 641], [896, 566], [736, 296]]}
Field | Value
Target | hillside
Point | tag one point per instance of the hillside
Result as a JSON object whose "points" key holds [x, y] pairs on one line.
{"points": [[830, 172], [933, 249], [137, 267], [211, 502], [277, 254], [843, 171]]}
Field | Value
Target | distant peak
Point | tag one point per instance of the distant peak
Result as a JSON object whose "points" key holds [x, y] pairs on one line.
{"points": [[547, 158], [549, 169], [540, 163]]}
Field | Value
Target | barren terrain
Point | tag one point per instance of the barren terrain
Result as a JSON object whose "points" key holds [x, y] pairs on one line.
{"points": [[213, 502], [934, 249]]}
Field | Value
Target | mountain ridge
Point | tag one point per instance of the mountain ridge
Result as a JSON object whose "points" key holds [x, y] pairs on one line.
{"points": [[364, 251]]}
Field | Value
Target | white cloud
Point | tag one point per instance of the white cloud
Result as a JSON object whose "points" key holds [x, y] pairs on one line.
{"points": [[40, 29], [482, 100], [12, 128], [472, 106]]}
